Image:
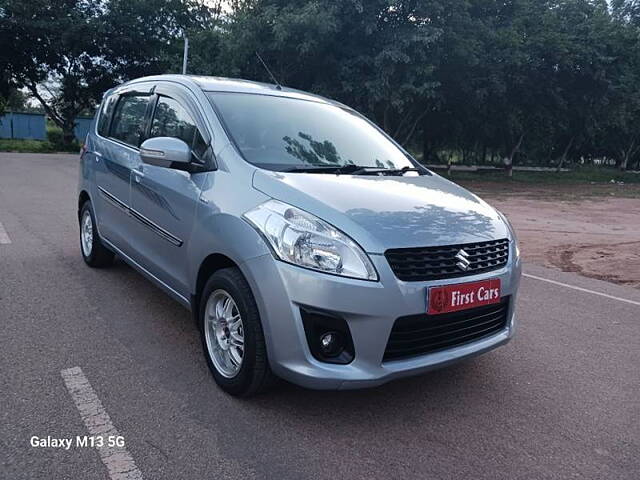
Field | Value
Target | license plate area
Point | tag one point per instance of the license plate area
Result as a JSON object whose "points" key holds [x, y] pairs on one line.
{"points": [[462, 296]]}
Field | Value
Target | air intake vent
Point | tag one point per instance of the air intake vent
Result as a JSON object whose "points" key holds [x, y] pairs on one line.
{"points": [[420, 334]]}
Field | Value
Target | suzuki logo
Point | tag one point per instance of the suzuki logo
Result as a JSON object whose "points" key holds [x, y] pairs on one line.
{"points": [[463, 260]]}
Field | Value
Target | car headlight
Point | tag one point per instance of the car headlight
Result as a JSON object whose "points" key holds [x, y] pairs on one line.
{"points": [[300, 238]]}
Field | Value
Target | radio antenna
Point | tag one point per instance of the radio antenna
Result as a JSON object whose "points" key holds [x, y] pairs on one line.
{"points": [[278, 86]]}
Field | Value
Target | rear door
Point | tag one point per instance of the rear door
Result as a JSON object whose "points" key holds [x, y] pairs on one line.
{"points": [[118, 156], [163, 197]]}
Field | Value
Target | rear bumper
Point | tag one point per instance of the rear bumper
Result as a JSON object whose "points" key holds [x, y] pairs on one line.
{"points": [[370, 310]]}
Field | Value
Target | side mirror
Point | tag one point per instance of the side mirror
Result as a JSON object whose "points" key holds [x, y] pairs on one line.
{"points": [[169, 149]]}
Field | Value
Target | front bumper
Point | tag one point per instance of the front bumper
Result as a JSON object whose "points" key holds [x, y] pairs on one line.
{"points": [[369, 308]]}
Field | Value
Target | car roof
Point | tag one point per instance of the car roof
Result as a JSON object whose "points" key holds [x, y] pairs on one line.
{"points": [[235, 85]]}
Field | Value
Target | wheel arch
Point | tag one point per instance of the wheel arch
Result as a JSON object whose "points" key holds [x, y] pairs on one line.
{"points": [[211, 264], [220, 241], [83, 197]]}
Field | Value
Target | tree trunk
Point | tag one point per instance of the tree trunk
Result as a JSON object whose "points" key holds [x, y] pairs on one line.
{"points": [[412, 130], [563, 157], [426, 146], [625, 160], [68, 136], [627, 154], [508, 161], [58, 118], [386, 119]]}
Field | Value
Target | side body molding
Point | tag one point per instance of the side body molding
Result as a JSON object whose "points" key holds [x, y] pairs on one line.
{"points": [[157, 229]]}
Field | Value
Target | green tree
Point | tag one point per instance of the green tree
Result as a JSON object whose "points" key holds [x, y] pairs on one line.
{"points": [[67, 53], [537, 81], [620, 133], [524, 76], [371, 55], [580, 59]]}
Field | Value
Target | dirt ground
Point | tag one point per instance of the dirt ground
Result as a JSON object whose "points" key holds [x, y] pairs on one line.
{"points": [[593, 230]]}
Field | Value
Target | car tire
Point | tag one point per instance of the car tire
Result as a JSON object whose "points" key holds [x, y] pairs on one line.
{"points": [[94, 253], [252, 374]]}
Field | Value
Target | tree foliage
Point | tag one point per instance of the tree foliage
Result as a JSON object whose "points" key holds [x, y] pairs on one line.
{"points": [[373, 54], [67, 53], [536, 81], [516, 81]]}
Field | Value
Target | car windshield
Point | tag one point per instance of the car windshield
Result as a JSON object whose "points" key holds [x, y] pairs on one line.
{"points": [[289, 134]]}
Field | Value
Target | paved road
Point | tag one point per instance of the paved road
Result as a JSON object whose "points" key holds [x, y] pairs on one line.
{"points": [[560, 401]]}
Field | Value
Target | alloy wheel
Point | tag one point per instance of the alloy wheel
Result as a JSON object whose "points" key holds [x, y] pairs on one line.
{"points": [[224, 333], [86, 233]]}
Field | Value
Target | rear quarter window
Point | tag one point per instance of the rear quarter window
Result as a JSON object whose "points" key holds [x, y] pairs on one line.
{"points": [[106, 111]]}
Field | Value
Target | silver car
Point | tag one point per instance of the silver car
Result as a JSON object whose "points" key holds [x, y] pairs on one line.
{"points": [[307, 243]]}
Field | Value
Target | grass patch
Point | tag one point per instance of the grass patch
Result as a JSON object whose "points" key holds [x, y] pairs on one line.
{"points": [[33, 146], [25, 146], [577, 176], [54, 137]]}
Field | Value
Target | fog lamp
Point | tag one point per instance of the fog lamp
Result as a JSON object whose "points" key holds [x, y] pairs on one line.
{"points": [[328, 336], [330, 343]]}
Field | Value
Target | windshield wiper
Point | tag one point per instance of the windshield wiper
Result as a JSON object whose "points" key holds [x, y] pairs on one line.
{"points": [[384, 171], [338, 169], [400, 171], [350, 169]]}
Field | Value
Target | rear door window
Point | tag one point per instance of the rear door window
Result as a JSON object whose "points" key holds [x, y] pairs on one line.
{"points": [[128, 119]]}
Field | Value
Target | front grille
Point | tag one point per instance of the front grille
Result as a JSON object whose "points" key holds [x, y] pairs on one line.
{"points": [[435, 263], [420, 334]]}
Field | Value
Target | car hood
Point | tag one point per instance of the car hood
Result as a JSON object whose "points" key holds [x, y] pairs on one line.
{"points": [[382, 212]]}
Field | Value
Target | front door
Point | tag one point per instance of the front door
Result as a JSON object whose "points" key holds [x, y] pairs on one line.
{"points": [[164, 199]]}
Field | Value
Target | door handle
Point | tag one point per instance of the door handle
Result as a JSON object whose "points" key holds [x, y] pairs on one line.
{"points": [[138, 176]]}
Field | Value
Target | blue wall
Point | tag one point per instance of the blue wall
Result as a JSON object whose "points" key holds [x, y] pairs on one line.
{"points": [[82, 128], [34, 126], [23, 125]]}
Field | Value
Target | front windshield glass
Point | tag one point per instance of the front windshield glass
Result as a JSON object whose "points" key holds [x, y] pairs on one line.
{"points": [[280, 133]]}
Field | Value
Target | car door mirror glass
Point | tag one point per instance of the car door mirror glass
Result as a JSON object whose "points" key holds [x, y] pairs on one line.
{"points": [[168, 149]]}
